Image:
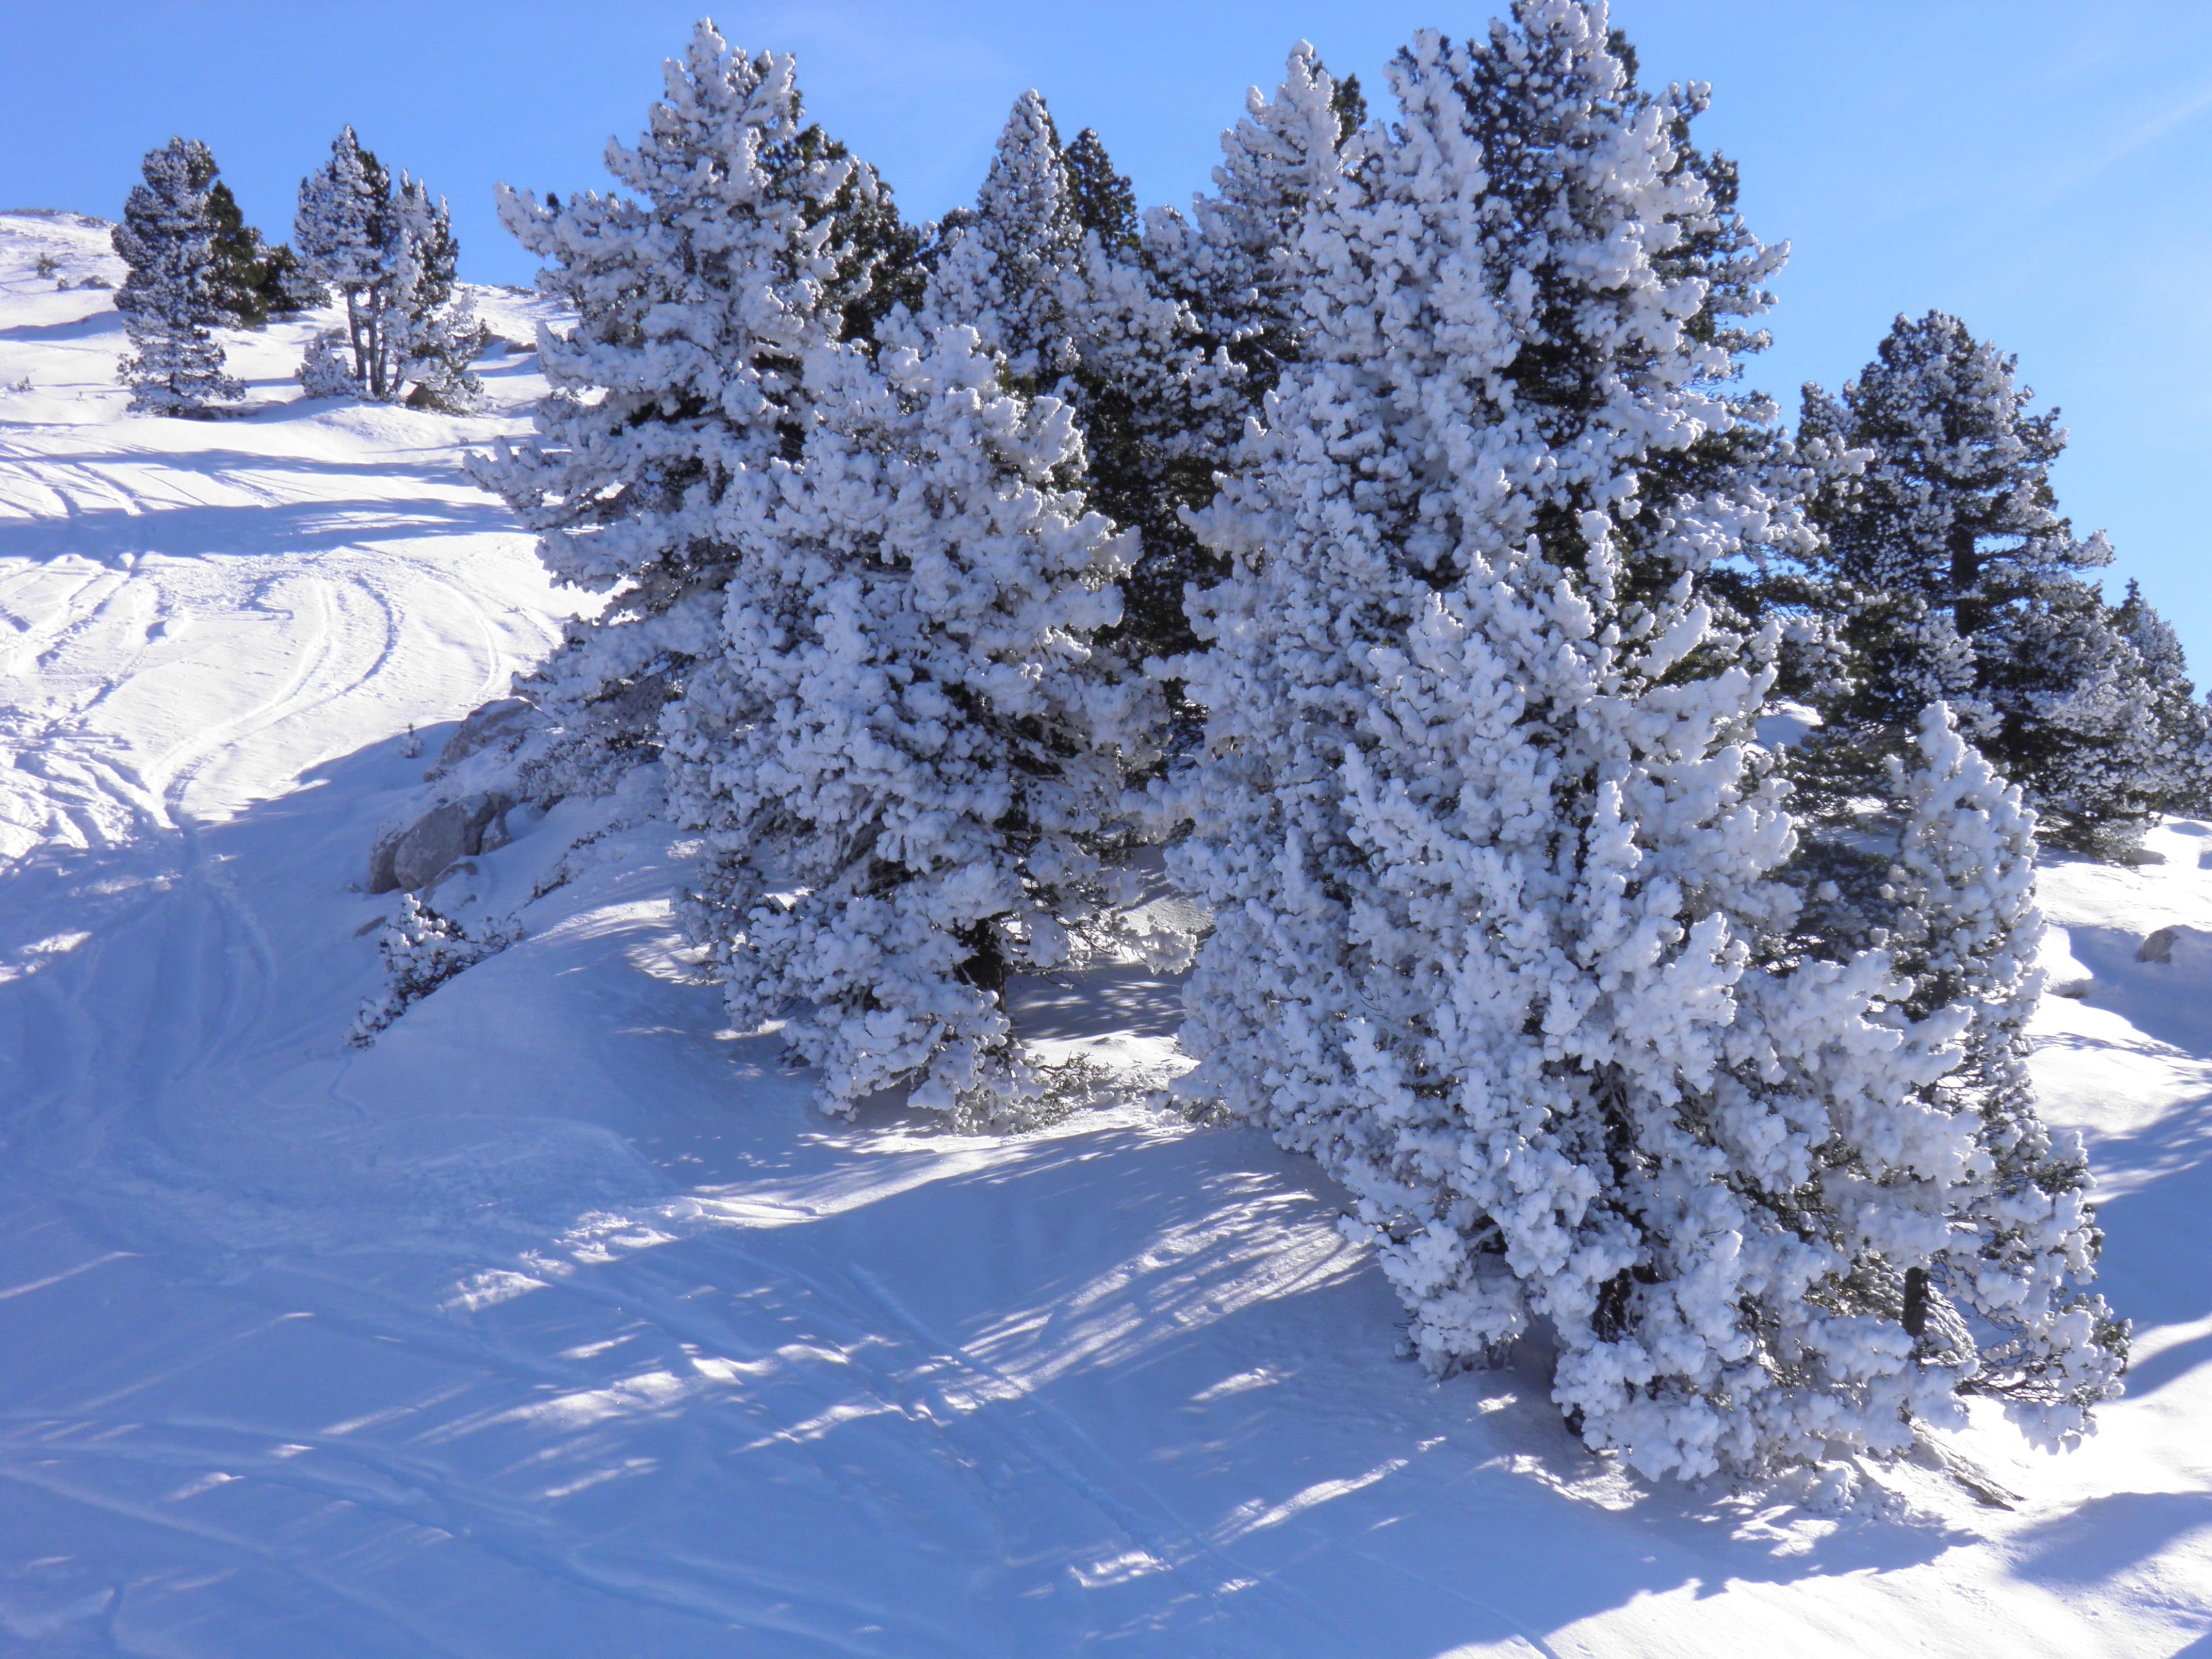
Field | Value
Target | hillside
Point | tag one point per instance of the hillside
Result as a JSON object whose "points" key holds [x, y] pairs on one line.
{"points": [[557, 1323]]}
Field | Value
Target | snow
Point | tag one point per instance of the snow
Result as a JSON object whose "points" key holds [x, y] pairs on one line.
{"points": [[556, 1323]]}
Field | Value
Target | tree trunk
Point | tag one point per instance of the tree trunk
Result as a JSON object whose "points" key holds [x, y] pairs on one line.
{"points": [[1967, 612]]}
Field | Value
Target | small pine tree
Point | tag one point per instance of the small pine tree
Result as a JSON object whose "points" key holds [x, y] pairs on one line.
{"points": [[170, 298], [388, 250], [2008, 1289], [253, 280], [911, 767], [346, 242], [1103, 201], [433, 335], [2182, 724], [698, 296]]}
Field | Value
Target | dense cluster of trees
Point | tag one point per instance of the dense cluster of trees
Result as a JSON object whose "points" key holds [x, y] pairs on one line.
{"points": [[385, 249], [1393, 536]]}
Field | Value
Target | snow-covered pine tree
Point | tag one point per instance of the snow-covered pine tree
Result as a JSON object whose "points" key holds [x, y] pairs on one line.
{"points": [[430, 330], [2010, 1285], [1956, 580], [698, 293], [911, 764], [1233, 260], [388, 250], [1079, 317], [169, 299], [2182, 722], [346, 242], [1482, 818]]}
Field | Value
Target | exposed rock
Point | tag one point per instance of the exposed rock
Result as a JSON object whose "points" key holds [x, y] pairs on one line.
{"points": [[501, 723], [2188, 947], [412, 858]]}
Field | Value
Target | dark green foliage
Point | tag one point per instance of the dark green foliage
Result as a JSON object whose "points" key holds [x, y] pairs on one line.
{"points": [[1350, 106], [882, 263], [1946, 572], [1104, 201], [251, 281]]}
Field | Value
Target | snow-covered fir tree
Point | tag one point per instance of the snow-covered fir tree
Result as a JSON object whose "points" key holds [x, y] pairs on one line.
{"points": [[699, 292], [169, 299], [1072, 305], [2181, 721], [1481, 816], [1954, 578], [911, 762], [388, 251], [1233, 259], [2008, 1290]]}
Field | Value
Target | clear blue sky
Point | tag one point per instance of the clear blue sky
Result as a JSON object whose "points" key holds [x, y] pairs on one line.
{"points": [[2045, 170]]}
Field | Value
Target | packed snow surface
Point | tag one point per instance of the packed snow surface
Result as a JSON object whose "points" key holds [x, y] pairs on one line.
{"points": [[556, 1323]]}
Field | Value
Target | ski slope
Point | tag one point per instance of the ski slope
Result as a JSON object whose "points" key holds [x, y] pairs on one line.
{"points": [[557, 1324]]}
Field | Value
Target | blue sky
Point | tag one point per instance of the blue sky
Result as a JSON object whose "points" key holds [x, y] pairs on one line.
{"points": [[2045, 170]]}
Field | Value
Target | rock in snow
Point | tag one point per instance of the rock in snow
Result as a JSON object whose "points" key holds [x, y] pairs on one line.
{"points": [[409, 860]]}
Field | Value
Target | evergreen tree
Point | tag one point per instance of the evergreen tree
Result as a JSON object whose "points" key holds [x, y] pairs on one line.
{"points": [[1234, 260], [1489, 839], [1234, 268], [1955, 578], [698, 295], [431, 328], [911, 764], [1103, 201], [1013, 267], [1079, 317], [881, 260], [253, 281], [170, 298], [347, 242], [388, 250], [2182, 725], [2007, 1292]]}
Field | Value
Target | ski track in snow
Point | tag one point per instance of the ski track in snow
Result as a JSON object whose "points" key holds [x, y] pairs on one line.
{"points": [[557, 1324]]}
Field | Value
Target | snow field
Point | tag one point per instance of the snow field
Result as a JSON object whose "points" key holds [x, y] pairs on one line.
{"points": [[556, 1323]]}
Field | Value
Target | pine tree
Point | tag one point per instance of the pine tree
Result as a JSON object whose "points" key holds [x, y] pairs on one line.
{"points": [[169, 299], [698, 294], [2016, 1270], [2182, 724], [1079, 317], [1955, 579], [388, 249], [911, 765], [1012, 268], [253, 280], [431, 328], [1103, 201], [346, 242], [1489, 839], [1234, 260]]}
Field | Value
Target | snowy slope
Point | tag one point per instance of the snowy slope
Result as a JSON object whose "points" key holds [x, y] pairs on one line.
{"points": [[555, 1323]]}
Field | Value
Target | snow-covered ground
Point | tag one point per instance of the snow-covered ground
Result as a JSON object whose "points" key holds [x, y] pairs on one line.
{"points": [[557, 1324]]}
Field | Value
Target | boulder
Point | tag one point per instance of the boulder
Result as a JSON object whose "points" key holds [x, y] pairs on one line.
{"points": [[499, 724], [412, 858], [2188, 949]]}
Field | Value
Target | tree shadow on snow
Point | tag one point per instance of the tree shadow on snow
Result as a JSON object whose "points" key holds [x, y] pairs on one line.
{"points": [[247, 530], [583, 1277]]}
